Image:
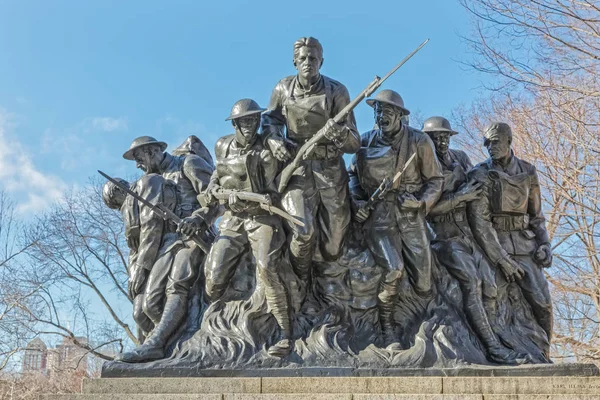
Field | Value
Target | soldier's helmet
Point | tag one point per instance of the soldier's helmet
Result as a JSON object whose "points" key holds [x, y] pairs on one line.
{"points": [[438, 124], [391, 97], [244, 108], [141, 142]]}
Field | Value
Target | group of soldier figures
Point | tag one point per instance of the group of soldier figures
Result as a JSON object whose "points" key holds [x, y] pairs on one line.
{"points": [[416, 201]]}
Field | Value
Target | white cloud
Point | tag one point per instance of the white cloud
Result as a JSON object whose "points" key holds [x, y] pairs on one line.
{"points": [[109, 124], [33, 189]]}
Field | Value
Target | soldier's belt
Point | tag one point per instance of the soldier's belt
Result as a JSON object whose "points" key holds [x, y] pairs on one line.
{"points": [[185, 207], [392, 195], [452, 216], [324, 152], [510, 222]]}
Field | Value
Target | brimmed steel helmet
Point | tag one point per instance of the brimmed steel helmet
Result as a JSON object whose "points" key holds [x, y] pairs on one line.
{"points": [[438, 124], [244, 108], [141, 142], [388, 96]]}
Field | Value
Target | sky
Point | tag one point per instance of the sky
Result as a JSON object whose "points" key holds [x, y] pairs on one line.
{"points": [[79, 80]]}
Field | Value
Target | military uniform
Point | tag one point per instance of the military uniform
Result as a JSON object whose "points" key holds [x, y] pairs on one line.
{"points": [[458, 252], [318, 190], [508, 222], [148, 237], [397, 238]]}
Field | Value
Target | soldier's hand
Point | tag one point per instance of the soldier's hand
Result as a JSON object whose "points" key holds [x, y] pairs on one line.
{"points": [[543, 255], [470, 191], [189, 226], [362, 213], [511, 270], [235, 204], [137, 279], [206, 198], [334, 131], [279, 150], [409, 202]]}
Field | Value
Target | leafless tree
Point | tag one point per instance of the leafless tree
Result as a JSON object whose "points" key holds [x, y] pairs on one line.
{"points": [[546, 60]]}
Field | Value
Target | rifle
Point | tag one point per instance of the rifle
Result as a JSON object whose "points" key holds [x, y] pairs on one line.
{"points": [[160, 210], [385, 186], [308, 147], [263, 200]]}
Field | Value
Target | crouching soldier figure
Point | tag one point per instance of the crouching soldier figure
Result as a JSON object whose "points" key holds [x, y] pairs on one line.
{"points": [[508, 222], [454, 244], [395, 227], [246, 166]]}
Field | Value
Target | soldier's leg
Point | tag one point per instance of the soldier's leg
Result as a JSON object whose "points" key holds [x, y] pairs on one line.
{"points": [[267, 241], [301, 202], [458, 257], [535, 289], [416, 251], [221, 262], [333, 219], [156, 286], [386, 247], [140, 318]]}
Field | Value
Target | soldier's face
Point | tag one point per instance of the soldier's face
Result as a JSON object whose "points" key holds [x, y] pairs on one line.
{"points": [[441, 140], [148, 159], [246, 128], [387, 117], [498, 148], [308, 62]]}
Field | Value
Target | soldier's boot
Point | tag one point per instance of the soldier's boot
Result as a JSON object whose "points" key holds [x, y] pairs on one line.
{"points": [[277, 299], [496, 352], [154, 346], [386, 301]]}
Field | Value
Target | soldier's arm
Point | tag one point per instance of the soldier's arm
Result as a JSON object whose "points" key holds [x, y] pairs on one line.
{"points": [[357, 192], [151, 225], [351, 143], [480, 219], [448, 201], [273, 120], [199, 172], [431, 173], [537, 221]]}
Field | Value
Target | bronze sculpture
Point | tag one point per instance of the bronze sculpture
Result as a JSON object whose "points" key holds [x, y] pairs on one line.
{"points": [[245, 164], [396, 228], [317, 193], [412, 199], [455, 245], [180, 264], [508, 222]]}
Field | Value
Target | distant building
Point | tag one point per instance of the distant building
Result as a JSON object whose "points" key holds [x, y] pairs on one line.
{"points": [[35, 357], [66, 356]]}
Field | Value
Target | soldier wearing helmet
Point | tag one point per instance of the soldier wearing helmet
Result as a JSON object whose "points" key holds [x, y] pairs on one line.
{"points": [[244, 163], [396, 232], [508, 222], [180, 258], [454, 244], [300, 107]]}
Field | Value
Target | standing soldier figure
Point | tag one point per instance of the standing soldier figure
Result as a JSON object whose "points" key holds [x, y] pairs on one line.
{"points": [[508, 222], [454, 243], [317, 193], [149, 239], [189, 175], [395, 228], [245, 164]]}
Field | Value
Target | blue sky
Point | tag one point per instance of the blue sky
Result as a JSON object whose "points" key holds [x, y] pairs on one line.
{"points": [[79, 80]]}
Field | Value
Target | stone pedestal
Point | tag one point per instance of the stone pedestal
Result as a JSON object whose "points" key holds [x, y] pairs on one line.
{"points": [[547, 385]]}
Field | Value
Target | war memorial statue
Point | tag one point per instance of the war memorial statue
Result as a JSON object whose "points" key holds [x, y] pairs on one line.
{"points": [[408, 258]]}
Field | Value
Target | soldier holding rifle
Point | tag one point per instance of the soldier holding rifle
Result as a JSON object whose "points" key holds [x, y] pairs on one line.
{"points": [[244, 181], [302, 106], [396, 232]]}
